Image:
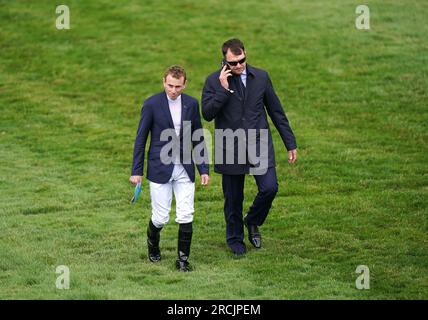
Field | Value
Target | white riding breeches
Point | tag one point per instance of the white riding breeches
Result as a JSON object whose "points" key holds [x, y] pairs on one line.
{"points": [[161, 198]]}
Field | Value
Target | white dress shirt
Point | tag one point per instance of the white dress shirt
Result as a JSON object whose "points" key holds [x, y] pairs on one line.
{"points": [[244, 77], [175, 110]]}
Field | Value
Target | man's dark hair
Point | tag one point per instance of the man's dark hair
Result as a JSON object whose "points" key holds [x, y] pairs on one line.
{"points": [[235, 45]]}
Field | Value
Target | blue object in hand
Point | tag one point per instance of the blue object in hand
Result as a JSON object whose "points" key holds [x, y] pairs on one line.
{"points": [[137, 192]]}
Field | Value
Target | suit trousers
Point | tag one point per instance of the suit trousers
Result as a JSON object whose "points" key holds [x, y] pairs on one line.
{"points": [[161, 198], [233, 191]]}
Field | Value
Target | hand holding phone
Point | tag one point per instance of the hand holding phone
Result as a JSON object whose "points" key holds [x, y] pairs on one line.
{"points": [[224, 63], [224, 74]]}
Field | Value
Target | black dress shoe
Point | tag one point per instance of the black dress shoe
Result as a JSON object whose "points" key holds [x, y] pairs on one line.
{"points": [[254, 235], [239, 254], [238, 250]]}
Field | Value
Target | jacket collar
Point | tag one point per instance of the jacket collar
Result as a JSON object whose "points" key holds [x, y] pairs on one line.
{"points": [[250, 70], [167, 113]]}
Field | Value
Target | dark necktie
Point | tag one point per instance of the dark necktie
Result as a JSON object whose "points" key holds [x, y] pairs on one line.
{"points": [[240, 86]]}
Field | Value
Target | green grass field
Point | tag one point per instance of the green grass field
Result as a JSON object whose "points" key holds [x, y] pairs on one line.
{"points": [[357, 101]]}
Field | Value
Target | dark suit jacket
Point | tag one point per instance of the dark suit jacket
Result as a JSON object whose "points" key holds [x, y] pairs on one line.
{"points": [[156, 117], [231, 110]]}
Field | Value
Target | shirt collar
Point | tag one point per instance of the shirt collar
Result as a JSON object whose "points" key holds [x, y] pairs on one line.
{"points": [[178, 99]]}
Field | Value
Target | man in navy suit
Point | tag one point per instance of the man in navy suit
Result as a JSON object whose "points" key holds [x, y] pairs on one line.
{"points": [[237, 97], [175, 115]]}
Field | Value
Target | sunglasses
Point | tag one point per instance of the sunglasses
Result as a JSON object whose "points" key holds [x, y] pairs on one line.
{"points": [[235, 63]]}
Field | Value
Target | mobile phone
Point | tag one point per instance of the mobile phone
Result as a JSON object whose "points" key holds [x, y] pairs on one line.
{"points": [[223, 63]]}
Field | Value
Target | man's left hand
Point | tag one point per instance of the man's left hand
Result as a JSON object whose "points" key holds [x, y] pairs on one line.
{"points": [[205, 179], [292, 156]]}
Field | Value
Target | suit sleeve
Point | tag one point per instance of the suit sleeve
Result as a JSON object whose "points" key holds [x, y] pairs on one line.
{"points": [[213, 99], [141, 139], [203, 168], [277, 114]]}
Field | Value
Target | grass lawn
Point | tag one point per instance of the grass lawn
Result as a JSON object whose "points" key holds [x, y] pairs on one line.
{"points": [[357, 101]]}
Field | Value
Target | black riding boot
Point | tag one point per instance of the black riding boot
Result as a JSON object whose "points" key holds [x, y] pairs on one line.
{"points": [[153, 237], [184, 240]]}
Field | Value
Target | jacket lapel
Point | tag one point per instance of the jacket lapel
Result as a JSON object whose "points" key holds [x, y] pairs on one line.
{"points": [[249, 82], [234, 85], [165, 108], [184, 112]]}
